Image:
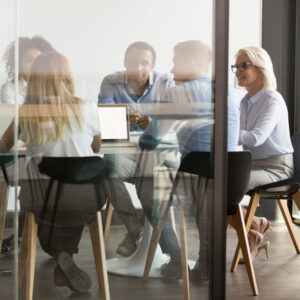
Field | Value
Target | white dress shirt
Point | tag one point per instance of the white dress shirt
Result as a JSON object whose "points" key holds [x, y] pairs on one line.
{"points": [[264, 125], [8, 92]]}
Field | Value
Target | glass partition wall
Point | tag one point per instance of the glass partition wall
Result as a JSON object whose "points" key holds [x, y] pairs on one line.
{"points": [[9, 186], [81, 69]]}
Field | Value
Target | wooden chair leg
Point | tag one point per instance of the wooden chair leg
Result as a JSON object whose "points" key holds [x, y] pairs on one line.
{"points": [[184, 256], [3, 208], [156, 233], [32, 238], [108, 215], [23, 251], [248, 220], [240, 228], [172, 217], [289, 223], [96, 233]]}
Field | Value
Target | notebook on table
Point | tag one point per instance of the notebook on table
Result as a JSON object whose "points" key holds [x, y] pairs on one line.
{"points": [[114, 123]]}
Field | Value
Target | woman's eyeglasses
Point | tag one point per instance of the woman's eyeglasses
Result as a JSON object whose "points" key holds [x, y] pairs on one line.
{"points": [[242, 67]]}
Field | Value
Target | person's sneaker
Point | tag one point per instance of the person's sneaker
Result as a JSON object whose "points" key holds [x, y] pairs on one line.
{"points": [[7, 247], [128, 245], [68, 274], [198, 273], [172, 269]]}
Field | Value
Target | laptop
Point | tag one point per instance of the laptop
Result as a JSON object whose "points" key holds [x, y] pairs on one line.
{"points": [[114, 123]]}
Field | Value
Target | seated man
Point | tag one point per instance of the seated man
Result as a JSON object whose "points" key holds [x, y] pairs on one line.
{"points": [[138, 85], [193, 93]]}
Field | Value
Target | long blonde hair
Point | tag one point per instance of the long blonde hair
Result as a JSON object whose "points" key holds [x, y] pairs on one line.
{"points": [[49, 98]]}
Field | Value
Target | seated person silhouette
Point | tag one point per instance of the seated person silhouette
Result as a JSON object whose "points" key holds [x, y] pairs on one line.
{"points": [[138, 85], [53, 122], [193, 91], [264, 130]]}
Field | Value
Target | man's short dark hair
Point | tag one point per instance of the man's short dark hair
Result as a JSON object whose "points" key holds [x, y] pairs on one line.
{"points": [[141, 46]]}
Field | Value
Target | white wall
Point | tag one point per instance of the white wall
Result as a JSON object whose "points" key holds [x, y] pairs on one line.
{"points": [[94, 34], [244, 27]]}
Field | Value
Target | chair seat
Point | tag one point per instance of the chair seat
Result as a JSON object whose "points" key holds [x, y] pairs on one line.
{"points": [[282, 189]]}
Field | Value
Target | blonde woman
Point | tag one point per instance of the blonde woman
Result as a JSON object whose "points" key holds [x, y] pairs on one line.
{"points": [[53, 122], [264, 127]]}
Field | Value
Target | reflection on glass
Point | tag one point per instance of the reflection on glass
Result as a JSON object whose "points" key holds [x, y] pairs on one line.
{"points": [[115, 62]]}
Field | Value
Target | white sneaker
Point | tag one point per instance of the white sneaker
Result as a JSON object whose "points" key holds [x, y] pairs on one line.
{"points": [[128, 245]]}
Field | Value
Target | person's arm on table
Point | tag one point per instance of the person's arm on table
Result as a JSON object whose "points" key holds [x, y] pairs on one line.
{"points": [[154, 133], [133, 118], [143, 122]]}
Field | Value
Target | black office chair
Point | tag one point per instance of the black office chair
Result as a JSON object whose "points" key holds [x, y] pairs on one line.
{"points": [[5, 160], [201, 164], [73, 170], [287, 189]]}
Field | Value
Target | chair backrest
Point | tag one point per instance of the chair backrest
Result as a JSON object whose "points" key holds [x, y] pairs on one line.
{"points": [[296, 144], [239, 167], [4, 159], [74, 169], [198, 163]]}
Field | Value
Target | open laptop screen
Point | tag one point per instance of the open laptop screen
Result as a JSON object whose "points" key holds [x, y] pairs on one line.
{"points": [[113, 122]]}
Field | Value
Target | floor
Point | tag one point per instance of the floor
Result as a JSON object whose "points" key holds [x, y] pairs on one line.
{"points": [[277, 277]]}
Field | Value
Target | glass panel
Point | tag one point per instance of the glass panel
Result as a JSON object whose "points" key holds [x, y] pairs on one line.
{"points": [[166, 84], [8, 182]]}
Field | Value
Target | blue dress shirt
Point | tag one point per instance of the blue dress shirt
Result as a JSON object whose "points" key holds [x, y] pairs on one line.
{"points": [[264, 125], [192, 135], [116, 90]]}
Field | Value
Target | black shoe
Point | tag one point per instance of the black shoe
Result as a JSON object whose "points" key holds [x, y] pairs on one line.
{"points": [[8, 245], [199, 273], [172, 269], [68, 274]]}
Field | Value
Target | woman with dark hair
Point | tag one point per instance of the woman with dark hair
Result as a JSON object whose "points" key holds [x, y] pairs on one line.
{"points": [[29, 50]]}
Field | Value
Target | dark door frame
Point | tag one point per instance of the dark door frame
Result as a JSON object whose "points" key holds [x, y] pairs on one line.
{"points": [[219, 148]]}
